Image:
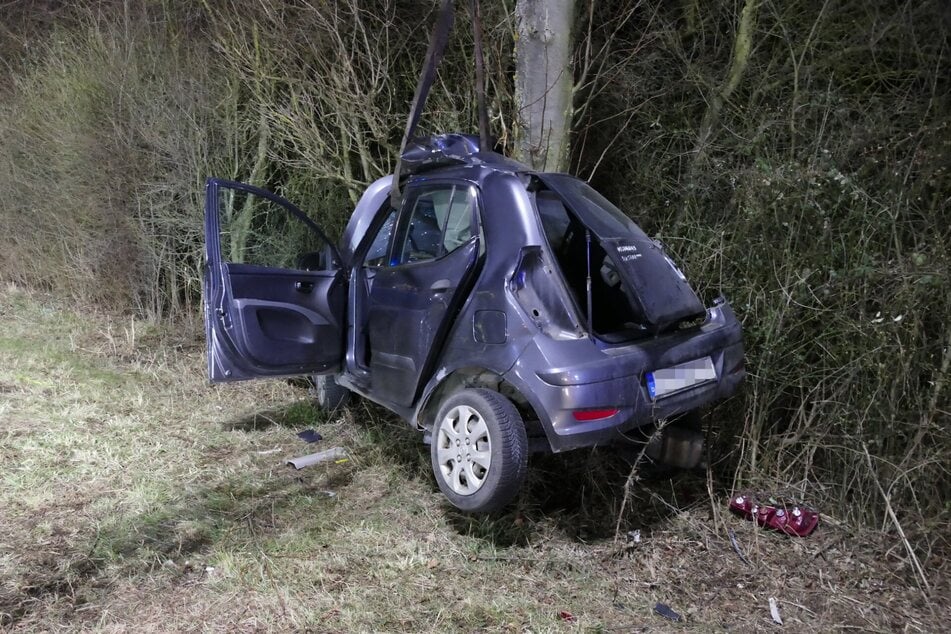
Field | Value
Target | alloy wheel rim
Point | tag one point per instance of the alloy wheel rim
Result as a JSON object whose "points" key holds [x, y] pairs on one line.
{"points": [[463, 449]]}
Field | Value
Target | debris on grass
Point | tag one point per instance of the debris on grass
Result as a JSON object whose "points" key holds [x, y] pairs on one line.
{"points": [[665, 611], [736, 547], [309, 435], [774, 611], [336, 454], [791, 519], [567, 616], [124, 538]]}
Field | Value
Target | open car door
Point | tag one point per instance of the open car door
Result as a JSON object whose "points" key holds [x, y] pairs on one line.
{"points": [[274, 288]]}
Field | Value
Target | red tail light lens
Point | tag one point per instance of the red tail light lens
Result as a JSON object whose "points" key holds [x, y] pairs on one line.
{"points": [[594, 414]]}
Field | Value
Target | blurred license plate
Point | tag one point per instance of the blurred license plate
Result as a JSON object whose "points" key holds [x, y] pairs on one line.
{"points": [[667, 381]]}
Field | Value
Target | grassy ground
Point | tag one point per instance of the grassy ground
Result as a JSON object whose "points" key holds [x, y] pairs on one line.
{"points": [[136, 497]]}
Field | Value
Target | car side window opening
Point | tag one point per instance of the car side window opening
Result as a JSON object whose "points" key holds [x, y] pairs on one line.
{"points": [[458, 226], [440, 221], [256, 231]]}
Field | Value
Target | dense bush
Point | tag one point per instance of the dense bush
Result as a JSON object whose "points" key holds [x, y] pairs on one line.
{"points": [[108, 129], [804, 176], [819, 204]]}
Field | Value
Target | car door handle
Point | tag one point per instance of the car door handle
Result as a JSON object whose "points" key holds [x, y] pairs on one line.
{"points": [[303, 287], [441, 286]]}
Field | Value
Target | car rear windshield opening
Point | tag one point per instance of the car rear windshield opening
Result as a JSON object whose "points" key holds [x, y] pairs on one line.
{"points": [[613, 319]]}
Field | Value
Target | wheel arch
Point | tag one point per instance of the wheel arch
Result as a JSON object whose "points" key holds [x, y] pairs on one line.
{"points": [[445, 382]]}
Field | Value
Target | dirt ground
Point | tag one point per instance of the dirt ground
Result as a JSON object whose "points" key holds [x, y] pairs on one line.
{"points": [[137, 497]]}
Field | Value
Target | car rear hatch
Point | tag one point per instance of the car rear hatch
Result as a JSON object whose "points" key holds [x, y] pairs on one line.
{"points": [[657, 291]]}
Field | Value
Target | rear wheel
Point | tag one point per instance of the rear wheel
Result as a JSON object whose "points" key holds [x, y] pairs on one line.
{"points": [[479, 450]]}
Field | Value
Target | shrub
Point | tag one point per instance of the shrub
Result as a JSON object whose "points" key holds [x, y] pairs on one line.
{"points": [[108, 131], [818, 205]]}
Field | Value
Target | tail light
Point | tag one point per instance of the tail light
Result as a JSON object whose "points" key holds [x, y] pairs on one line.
{"points": [[587, 415]]}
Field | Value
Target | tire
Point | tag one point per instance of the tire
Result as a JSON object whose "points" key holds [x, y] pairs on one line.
{"points": [[328, 394], [490, 474]]}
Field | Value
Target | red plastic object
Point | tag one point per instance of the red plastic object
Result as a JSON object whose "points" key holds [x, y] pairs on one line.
{"points": [[796, 520]]}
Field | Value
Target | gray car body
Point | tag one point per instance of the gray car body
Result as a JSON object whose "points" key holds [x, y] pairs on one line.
{"points": [[550, 364]]}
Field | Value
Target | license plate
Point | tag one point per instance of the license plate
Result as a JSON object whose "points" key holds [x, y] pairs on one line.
{"points": [[667, 381]]}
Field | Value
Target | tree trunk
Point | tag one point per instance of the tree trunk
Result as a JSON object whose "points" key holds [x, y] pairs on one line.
{"points": [[544, 82]]}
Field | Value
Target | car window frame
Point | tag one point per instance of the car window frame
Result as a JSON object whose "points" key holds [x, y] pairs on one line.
{"points": [[413, 191], [375, 228], [214, 189]]}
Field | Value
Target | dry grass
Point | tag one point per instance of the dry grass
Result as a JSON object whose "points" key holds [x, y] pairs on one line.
{"points": [[136, 497]]}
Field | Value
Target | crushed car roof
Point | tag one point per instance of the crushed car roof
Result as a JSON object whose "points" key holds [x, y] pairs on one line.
{"points": [[445, 150]]}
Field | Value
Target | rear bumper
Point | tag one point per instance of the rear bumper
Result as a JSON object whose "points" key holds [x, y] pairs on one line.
{"points": [[616, 378]]}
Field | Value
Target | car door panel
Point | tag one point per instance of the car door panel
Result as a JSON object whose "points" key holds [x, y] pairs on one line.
{"points": [[285, 331], [411, 309], [265, 320]]}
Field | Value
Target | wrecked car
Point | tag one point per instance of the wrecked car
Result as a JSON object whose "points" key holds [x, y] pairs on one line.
{"points": [[498, 310]]}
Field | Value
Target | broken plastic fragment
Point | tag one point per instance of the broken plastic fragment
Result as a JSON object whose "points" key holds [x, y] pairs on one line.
{"points": [[774, 611], [309, 435], [337, 454], [666, 612], [795, 520], [736, 547]]}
